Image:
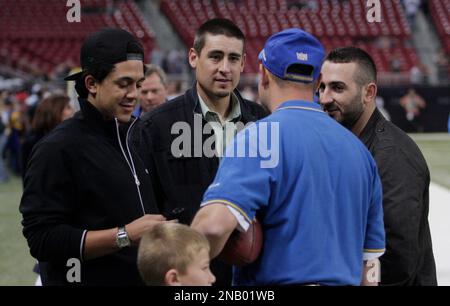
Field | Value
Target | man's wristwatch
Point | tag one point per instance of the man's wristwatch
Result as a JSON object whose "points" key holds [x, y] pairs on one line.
{"points": [[122, 238]]}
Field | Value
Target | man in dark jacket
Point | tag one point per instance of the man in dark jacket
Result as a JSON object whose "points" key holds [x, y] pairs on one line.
{"points": [[186, 137], [87, 196], [347, 92]]}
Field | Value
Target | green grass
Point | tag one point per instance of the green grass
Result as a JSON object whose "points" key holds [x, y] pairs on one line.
{"points": [[436, 149], [16, 263]]}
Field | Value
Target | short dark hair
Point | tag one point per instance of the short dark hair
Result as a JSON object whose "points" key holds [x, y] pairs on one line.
{"points": [[98, 71], [367, 70], [216, 26]]}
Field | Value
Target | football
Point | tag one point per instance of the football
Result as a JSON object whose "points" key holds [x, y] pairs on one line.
{"points": [[243, 248]]}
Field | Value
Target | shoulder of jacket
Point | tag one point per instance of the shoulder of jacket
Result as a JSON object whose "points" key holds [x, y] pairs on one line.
{"points": [[392, 139], [383, 134], [254, 108], [70, 131], [251, 103], [389, 134]]}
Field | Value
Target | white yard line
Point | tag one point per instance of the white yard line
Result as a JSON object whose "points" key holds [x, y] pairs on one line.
{"points": [[439, 218]]}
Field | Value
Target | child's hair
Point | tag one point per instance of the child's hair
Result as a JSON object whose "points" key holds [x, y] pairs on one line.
{"points": [[168, 246]]}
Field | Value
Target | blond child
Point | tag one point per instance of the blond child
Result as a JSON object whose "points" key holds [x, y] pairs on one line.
{"points": [[173, 254]]}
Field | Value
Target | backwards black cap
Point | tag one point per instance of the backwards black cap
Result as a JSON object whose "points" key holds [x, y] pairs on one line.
{"points": [[108, 46]]}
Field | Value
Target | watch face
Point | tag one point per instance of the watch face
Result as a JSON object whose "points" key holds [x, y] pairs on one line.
{"points": [[122, 239], [122, 243]]}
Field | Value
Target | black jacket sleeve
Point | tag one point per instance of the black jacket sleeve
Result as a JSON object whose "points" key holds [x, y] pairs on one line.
{"points": [[147, 153], [47, 206], [404, 190]]}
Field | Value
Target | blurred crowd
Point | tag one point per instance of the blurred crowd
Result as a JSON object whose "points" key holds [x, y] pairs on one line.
{"points": [[17, 110]]}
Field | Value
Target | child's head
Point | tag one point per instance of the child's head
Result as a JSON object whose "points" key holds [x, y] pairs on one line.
{"points": [[174, 254]]}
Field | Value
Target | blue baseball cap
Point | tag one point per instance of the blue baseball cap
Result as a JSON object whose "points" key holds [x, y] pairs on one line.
{"points": [[293, 55]]}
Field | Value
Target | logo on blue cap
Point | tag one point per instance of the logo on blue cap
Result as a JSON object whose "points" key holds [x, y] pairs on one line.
{"points": [[302, 56], [293, 55]]}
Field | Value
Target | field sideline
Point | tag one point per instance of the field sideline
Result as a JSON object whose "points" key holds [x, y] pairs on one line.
{"points": [[16, 263]]}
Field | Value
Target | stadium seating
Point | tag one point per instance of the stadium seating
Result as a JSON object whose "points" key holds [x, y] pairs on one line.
{"points": [[37, 33], [336, 23], [440, 13]]}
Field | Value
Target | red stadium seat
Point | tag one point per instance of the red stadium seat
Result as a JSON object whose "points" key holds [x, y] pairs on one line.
{"points": [[440, 12], [46, 39], [342, 21]]}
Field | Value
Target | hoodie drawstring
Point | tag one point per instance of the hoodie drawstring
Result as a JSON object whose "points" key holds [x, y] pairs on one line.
{"points": [[130, 165]]}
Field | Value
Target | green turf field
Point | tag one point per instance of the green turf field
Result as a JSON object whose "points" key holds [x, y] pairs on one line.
{"points": [[16, 263], [436, 149]]}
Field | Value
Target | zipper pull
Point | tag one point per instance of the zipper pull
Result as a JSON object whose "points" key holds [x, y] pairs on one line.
{"points": [[136, 180]]}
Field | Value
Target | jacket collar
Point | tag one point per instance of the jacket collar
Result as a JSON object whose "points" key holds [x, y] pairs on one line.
{"points": [[95, 119], [368, 131], [194, 104]]}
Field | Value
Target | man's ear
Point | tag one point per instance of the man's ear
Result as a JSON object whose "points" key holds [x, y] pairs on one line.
{"points": [[193, 57], [172, 278], [244, 57], [370, 93], [317, 87], [91, 84], [264, 75]]}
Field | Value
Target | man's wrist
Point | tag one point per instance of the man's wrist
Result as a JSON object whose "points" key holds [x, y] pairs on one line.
{"points": [[122, 238]]}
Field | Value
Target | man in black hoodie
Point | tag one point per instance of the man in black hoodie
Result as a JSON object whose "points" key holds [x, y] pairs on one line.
{"points": [[185, 138], [87, 196]]}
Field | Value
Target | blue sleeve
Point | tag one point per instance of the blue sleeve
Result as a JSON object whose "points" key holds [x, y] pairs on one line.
{"points": [[242, 182], [375, 234]]}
